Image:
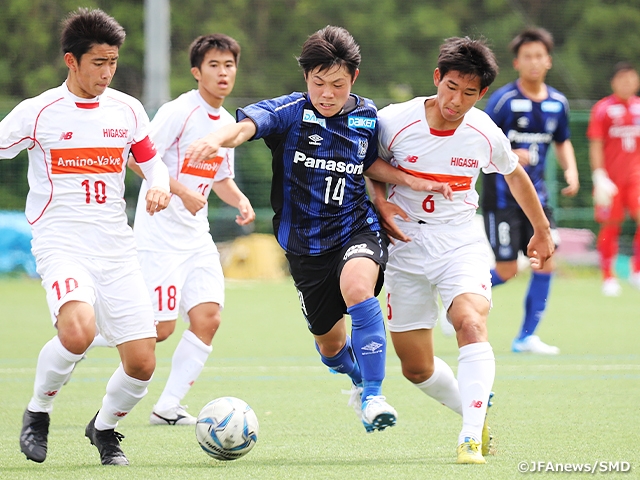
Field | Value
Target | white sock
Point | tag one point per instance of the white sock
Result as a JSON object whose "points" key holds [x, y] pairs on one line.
{"points": [[123, 393], [476, 373], [98, 341], [55, 363], [443, 386], [188, 361]]}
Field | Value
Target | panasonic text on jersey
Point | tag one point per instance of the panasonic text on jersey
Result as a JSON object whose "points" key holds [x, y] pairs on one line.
{"points": [[328, 165]]}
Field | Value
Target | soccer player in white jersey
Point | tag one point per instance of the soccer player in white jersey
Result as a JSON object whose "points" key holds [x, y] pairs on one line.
{"points": [[179, 259], [79, 136], [444, 138]]}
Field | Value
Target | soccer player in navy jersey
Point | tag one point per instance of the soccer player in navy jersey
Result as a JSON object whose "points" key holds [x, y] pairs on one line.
{"points": [[323, 142], [533, 115]]}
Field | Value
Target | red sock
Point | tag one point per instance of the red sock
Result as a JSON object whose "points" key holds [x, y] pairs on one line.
{"points": [[608, 248], [636, 251]]}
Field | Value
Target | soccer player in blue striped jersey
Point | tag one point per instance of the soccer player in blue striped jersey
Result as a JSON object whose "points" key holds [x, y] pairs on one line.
{"points": [[533, 115], [323, 142]]}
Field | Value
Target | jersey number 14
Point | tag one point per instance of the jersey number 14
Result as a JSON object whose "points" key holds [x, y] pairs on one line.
{"points": [[338, 190]]}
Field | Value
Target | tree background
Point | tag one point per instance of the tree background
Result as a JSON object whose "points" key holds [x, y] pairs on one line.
{"points": [[399, 40]]}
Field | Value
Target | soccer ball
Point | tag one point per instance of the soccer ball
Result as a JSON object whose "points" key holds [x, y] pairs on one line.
{"points": [[227, 428]]}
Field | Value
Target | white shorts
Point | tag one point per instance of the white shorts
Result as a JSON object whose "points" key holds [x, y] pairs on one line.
{"points": [[177, 282], [450, 260], [116, 290]]}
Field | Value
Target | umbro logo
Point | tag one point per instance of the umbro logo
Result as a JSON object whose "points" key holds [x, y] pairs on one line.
{"points": [[315, 139], [371, 348], [66, 136]]}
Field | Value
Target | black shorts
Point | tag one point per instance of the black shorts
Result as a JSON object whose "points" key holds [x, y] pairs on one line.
{"points": [[509, 232], [317, 278]]}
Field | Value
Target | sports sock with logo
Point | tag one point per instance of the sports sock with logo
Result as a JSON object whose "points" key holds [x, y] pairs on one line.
{"points": [[369, 344], [476, 373], [535, 303], [495, 278], [123, 393], [344, 362], [187, 363], [55, 364], [442, 386]]}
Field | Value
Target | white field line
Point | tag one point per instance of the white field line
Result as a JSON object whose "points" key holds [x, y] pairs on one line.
{"points": [[252, 369]]}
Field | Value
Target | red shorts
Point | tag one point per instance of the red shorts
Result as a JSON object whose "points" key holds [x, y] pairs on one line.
{"points": [[627, 199]]}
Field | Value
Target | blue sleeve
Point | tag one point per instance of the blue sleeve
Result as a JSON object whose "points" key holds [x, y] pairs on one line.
{"points": [[273, 116], [563, 131], [490, 109], [372, 149]]}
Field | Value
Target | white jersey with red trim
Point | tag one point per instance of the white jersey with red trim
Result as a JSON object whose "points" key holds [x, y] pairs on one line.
{"points": [[176, 125], [456, 156], [77, 152]]}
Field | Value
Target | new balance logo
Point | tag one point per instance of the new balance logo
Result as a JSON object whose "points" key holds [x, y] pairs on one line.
{"points": [[51, 393], [120, 414], [371, 348], [476, 404], [66, 136], [411, 159]]}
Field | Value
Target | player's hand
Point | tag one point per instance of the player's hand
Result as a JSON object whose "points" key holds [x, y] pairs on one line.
{"points": [[386, 213], [203, 148], [192, 201], [422, 185], [247, 215], [157, 199], [573, 183], [603, 188], [540, 249]]}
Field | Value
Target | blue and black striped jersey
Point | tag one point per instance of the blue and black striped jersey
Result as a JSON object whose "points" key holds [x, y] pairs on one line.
{"points": [[318, 191], [530, 125]]}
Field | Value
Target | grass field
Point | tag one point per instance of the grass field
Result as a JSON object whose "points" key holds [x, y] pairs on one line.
{"points": [[580, 407]]}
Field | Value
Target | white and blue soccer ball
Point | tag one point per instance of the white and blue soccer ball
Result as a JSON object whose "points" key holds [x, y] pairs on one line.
{"points": [[227, 428]]}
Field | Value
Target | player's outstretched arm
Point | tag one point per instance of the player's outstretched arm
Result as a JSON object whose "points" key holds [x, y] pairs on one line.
{"points": [[567, 160], [193, 201], [541, 246], [386, 210], [227, 190], [383, 172], [230, 136]]}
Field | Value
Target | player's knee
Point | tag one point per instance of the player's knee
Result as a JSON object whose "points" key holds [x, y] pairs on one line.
{"points": [[141, 368], [164, 330], [417, 373], [76, 337], [471, 328]]}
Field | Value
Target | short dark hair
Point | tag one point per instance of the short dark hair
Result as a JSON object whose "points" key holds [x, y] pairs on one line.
{"points": [[622, 67], [85, 28], [530, 35], [329, 47], [469, 57], [216, 41]]}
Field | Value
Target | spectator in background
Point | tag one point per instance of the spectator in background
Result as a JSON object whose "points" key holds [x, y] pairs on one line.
{"points": [[533, 116], [614, 153]]}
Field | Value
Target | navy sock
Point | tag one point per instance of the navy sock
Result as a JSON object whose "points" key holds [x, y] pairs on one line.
{"points": [[535, 303], [495, 278], [369, 344], [344, 362]]}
